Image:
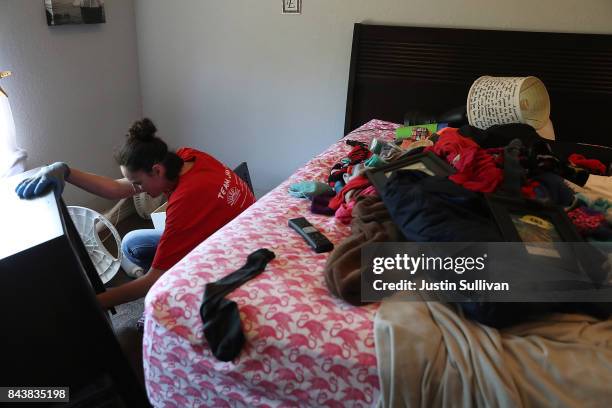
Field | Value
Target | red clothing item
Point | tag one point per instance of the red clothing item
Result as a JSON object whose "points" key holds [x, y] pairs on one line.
{"points": [[345, 212], [207, 197], [476, 169], [593, 165], [529, 189], [358, 154], [355, 182], [584, 221]]}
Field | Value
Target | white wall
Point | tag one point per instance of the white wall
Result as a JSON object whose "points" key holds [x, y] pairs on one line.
{"points": [[75, 89], [242, 81]]}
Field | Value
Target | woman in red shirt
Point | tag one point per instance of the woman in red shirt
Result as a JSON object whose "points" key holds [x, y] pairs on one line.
{"points": [[203, 195]]}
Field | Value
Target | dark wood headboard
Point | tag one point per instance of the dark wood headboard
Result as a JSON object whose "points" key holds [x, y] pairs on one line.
{"points": [[398, 69]]}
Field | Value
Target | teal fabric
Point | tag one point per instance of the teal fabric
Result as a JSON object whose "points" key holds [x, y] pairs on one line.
{"points": [[600, 204], [376, 146], [309, 189], [375, 161]]}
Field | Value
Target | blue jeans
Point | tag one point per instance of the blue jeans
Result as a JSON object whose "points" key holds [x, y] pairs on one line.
{"points": [[139, 246]]}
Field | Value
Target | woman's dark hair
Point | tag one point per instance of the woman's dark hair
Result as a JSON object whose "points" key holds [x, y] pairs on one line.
{"points": [[142, 149]]}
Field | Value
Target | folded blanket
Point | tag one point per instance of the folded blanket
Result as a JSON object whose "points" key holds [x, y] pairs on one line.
{"points": [[428, 355]]}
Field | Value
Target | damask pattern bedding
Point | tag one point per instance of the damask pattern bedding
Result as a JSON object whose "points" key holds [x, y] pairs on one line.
{"points": [[304, 347]]}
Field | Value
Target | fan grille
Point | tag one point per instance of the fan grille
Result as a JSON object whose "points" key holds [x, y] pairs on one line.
{"points": [[85, 221], [145, 204]]}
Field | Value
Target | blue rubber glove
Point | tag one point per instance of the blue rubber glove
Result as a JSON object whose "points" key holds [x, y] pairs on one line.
{"points": [[53, 175]]}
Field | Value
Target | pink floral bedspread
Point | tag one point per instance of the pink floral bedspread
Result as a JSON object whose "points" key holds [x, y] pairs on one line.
{"points": [[304, 347]]}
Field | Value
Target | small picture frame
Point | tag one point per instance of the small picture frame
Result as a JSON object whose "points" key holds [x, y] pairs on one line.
{"points": [[292, 6], [539, 226], [62, 12], [426, 162]]}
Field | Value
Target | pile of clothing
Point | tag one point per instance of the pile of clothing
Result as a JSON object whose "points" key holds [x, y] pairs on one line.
{"points": [[346, 183], [508, 160]]}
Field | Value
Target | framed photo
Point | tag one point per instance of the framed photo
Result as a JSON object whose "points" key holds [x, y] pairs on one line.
{"points": [[61, 12], [539, 226], [427, 162], [292, 6]]}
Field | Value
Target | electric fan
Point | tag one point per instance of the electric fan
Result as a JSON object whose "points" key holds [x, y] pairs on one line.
{"points": [[86, 222], [145, 204]]}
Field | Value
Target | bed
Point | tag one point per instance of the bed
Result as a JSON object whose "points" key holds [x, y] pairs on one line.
{"points": [[304, 347]]}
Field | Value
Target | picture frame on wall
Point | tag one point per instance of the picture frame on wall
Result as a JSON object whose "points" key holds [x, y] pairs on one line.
{"points": [[63, 12], [427, 162]]}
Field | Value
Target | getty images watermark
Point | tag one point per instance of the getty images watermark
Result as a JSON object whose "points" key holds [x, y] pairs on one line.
{"points": [[412, 264], [488, 272]]}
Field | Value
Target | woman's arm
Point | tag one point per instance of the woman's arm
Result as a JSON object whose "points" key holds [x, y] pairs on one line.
{"points": [[102, 186], [130, 291]]}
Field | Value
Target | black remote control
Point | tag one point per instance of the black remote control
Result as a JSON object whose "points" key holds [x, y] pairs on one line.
{"points": [[311, 235]]}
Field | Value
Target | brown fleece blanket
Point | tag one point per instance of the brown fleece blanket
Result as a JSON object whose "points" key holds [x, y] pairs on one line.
{"points": [[371, 223]]}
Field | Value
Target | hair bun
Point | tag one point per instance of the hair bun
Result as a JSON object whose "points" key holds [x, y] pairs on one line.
{"points": [[143, 130]]}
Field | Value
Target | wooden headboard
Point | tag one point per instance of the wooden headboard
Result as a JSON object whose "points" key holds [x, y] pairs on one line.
{"points": [[398, 69]]}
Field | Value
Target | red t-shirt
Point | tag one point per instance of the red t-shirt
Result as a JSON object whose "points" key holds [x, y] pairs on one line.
{"points": [[206, 198]]}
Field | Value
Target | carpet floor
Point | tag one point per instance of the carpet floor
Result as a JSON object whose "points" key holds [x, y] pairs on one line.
{"points": [[124, 321]]}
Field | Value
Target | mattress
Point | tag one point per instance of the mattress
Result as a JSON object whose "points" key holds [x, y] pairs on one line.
{"points": [[303, 346]]}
